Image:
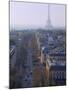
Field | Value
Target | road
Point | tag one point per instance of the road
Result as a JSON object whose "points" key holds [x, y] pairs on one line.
{"points": [[27, 79], [26, 73]]}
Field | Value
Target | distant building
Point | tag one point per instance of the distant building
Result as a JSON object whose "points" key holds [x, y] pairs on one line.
{"points": [[50, 40], [44, 52], [49, 24]]}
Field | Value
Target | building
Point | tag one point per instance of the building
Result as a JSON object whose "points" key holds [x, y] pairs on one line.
{"points": [[56, 69]]}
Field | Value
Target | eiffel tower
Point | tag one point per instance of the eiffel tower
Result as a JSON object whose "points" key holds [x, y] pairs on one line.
{"points": [[48, 24]]}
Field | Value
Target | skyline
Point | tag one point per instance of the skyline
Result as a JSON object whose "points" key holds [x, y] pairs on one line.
{"points": [[35, 15]]}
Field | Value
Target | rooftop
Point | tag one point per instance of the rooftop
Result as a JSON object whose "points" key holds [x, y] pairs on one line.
{"points": [[56, 59]]}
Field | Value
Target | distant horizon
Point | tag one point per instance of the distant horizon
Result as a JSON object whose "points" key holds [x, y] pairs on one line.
{"points": [[29, 28]]}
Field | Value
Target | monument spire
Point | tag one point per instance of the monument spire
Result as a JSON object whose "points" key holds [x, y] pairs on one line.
{"points": [[49, 25]]}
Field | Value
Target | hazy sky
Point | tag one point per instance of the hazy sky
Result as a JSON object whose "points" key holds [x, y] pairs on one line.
{"points": [[35, 15]]}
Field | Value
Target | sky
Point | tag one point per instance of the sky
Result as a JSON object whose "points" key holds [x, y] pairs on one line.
{"points": [[35, 15]]}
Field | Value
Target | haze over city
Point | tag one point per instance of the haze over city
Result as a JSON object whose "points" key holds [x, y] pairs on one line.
{"points": [[34, 15], [37, 45]]}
